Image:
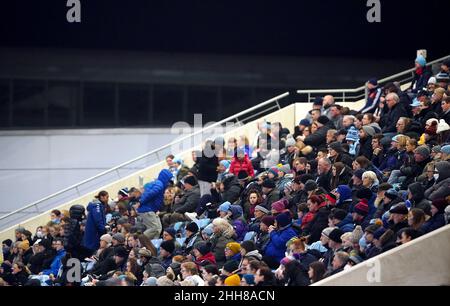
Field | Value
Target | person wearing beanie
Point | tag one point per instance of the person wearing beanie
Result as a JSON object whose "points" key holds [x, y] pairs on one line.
{"points": [[192, 237], [118, 239], [166, 250], [233, 280], [437, 220], [360, 212], [416, 196], [247, 280], [202, 253], [169, 234], [270, 192], [273, 173], [366, 133], [421, 74], [319, 137], [415, 169], [230, 267], [279, 236], [278, 207], [233, 251], [310, 186]]}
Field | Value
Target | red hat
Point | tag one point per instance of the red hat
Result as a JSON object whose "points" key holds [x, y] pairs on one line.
{"points": [[432, 129], [331, 198], [278, 206], [362, 207]]}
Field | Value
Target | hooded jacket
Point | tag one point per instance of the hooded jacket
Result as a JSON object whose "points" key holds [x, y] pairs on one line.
{"points": [[441, 188], [418, 196], [95, 225], [347, 224], [239, 224], [277, 244], [232, 189], [345, 197], [153, 196]]}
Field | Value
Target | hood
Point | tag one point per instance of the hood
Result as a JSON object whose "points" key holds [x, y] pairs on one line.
{"points": [[443, 168], [229, 180], [347, 220], [417, 191], [254, 253], [345, 193], [165, 176], [236, 211]]}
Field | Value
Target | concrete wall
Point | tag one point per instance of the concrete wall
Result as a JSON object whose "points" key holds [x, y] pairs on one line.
{"points": [[44, 162], [424, 261]]}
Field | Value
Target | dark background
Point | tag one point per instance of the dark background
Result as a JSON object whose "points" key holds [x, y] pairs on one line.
{"points": [[299, 28], [150, 63]]}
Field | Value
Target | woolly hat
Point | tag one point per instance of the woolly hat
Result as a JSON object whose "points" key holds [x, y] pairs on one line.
{"points": [[285, 261], [274, 171], [323, 119], [123, 192], [192, 227], [249, 278], [336, 146], [362, 208], [285, 168], [331, 198], [400, 209], [231, 266], [145, 253], [335, 235], [233, 247], [164, 281], [225, 163], [119, 237], [391, 194], [423, 150], [304, 122], [432, 129], [268, 220], [107, 238], [191, 180], [248, 245], [357, 234], [442, 126], [278, 206], [436, 149], [440, 204], [268, 183], [370, 131], [283, 220], [378, 233], [171, 231], [203, 247], [224, 207], [421, 60], [372, 228], [326, 231], [262, 209], [168, 245], [290, 142], [352, 134], [310, 185], [445, 149], [233, 280]]}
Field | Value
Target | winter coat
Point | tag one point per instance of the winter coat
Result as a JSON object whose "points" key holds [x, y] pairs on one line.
{"points": [[189, 201], [207, 168], [56, 263], [40, 260], [433, 223], [232, 189], [277, 243], [365, 147], [273, 196], [218, 244], [397, 111], [208, 256], [153, 197], [324, 180], [347, 224], [19, 279], [95, 225], [189, 243], [245, 165], [296, 274], [318, 138], [319, 223]]}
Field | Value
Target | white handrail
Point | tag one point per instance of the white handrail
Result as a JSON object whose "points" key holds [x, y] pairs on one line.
{"points": [[353, 90], [230, 118]]}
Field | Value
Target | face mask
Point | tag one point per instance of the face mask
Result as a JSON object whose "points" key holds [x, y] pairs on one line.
{"points": [[55, 220], [436, 176], [139, 262], [39, 234]]}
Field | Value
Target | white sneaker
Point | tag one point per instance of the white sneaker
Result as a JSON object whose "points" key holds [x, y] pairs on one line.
{"points": [[192, 216]]}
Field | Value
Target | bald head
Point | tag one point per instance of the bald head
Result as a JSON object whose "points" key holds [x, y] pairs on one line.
{"points": [[328, 100]]}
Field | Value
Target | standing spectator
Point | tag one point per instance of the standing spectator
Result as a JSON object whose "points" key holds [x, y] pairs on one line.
{"points": [[207, 167], [420, 75], [96, 221], [152, 201]]}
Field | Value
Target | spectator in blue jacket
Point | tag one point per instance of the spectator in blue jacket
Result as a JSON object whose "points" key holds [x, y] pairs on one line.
{"points": [[56, 263], [96, 222], [280, 234], [341, 219], [151, 201]]}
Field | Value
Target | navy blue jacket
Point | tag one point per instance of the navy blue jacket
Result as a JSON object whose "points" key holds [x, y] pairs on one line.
{"points": [[95, 225]]}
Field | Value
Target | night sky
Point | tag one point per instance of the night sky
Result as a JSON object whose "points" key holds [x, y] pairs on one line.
{"points": [[295, 28]]}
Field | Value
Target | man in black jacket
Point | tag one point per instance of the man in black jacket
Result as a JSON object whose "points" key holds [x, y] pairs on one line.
{"points": [[325, 174], [318, 139], [207, 167], [389, 124]]}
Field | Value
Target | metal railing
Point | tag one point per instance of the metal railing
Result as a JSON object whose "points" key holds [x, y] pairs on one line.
{"points": [[141, 162], [355, 94]]}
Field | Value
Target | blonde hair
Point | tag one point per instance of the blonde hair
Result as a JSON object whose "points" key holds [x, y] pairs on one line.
{"points": [[402, 141], [370, 175], [347, 236], [225, 228]]}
